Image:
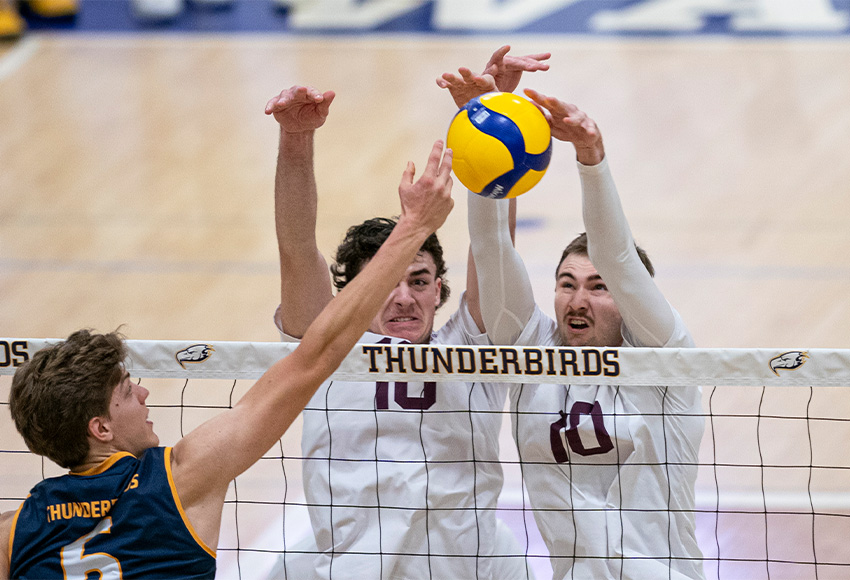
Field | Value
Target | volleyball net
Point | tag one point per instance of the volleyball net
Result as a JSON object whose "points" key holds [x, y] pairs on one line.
{"points": [[773, 467]]}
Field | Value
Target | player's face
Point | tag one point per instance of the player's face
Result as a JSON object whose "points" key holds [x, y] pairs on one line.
{"points": [[128, 418], [585, 310], [409, 310]]}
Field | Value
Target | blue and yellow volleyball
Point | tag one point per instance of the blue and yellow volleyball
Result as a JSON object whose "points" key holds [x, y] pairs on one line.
{"points": [[502, 145]]}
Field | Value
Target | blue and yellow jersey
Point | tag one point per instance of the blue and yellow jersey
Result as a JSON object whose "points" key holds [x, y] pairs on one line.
{"points": [[122, 518]]}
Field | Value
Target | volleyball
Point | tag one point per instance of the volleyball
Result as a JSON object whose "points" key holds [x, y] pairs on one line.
{"points": [[501, 143]]}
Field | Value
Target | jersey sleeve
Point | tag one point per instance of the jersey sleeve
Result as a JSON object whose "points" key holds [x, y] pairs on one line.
{"points": [[461, 328], [648, 318], [283, 336], [506, 295], [540, 330]]}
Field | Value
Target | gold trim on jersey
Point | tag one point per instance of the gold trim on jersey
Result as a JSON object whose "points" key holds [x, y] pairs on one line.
{"points": [[179, 505], [98, 469], [12, 529]]}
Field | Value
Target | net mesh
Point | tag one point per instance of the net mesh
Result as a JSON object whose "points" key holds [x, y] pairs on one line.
{"points": [[773, 466]]}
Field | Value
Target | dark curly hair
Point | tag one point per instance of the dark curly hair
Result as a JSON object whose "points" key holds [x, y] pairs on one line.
{"points": [[361, 243], [57, 393]]}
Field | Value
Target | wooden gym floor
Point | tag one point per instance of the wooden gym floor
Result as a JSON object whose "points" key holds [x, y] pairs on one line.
{"points": [[136, 175], [137, 172]]}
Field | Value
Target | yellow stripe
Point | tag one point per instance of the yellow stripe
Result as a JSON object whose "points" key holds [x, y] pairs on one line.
{"points": [[12, 530], [179, 505], [105, 465]]}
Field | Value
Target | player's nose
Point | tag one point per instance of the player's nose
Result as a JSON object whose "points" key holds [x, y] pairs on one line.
{"points": [[579, 299], [402, 295]]}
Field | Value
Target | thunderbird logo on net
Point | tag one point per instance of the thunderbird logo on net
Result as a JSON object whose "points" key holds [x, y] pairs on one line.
{"points": [[197, 353], [788, 361]]}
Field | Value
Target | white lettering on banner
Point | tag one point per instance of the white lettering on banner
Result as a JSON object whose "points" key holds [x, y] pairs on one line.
{"points": [[793, 15], [348, 13], [744, 15], [648, 15], [492, 14]]}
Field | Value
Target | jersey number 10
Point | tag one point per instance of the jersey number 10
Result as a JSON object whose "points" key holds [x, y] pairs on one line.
{"points": [[403, 399]]}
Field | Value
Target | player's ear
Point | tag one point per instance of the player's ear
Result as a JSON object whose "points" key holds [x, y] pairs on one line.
{"points": [[438, 284], [100, 429]]}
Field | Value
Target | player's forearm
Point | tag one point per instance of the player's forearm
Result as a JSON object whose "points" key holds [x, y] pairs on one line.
{"points": [[231, 442], [348, 316], [296, 198], [505, 294], [305, 284], [473, 296]]}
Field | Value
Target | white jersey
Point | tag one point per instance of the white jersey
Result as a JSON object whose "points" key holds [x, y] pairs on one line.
{"points": [[610, 471], [401, 479]]}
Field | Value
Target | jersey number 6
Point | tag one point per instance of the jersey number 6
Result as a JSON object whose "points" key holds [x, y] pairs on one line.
{"points": [[77, 565]]}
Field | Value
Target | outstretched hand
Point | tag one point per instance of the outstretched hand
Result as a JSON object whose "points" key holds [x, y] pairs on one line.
{"points": [[299, 109], [569, 123], [507, 70], [502, 73], [427, 202]]}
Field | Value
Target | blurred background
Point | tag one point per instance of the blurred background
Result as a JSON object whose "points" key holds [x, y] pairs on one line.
{"points": [[137, 164]]}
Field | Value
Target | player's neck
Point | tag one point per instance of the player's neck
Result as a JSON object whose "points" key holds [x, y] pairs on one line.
{"points": [[97, 456]]}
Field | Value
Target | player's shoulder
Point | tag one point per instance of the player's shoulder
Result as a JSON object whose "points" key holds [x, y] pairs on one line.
{"points": [[540, 330], [681, 337], [6, 520]]}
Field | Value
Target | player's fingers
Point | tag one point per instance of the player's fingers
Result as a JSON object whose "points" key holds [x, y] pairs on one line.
{"points": [[409, 172], [448, 80], [281, 99], [445, 170], [486, 81], [529, 63], [534, 96], [589, 126], [557, 107], [299, 92], [499, 54], [540, 56], [324, 104], [271, 105], [537, 102], [434, 158]]}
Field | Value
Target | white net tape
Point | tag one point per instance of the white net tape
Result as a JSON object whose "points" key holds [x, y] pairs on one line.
{"points": [[580, 366], [773, 466]]}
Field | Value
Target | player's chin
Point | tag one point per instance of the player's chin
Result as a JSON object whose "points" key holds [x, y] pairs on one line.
{"points": [[411, 330], [153, 438], [573, 338]]}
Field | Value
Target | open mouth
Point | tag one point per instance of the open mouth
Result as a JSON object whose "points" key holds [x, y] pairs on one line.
{"points": [[578, 324]]}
